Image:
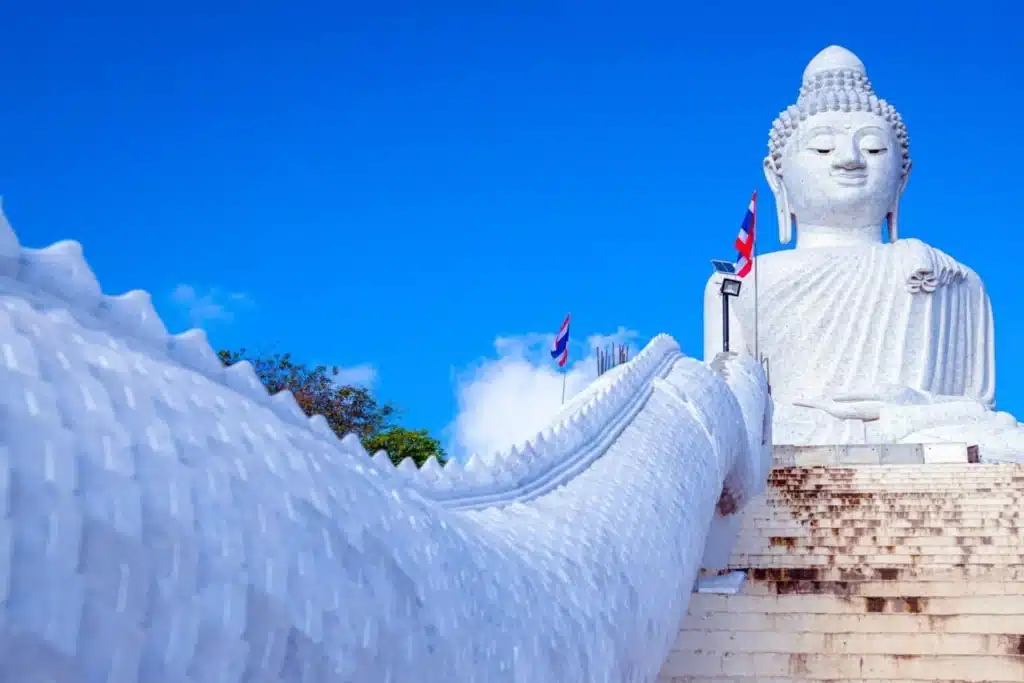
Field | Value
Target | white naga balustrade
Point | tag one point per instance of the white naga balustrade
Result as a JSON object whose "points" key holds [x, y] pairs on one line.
{"points": [[164, 520]]}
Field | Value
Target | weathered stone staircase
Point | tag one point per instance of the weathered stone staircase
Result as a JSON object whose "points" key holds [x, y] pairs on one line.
{"points": [[869, 573]]}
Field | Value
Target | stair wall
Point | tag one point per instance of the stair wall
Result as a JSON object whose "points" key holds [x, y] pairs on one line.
{"points": [[869, 573]]}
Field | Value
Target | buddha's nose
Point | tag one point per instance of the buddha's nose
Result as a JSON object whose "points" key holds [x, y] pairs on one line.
{"points": [[849, 158]]}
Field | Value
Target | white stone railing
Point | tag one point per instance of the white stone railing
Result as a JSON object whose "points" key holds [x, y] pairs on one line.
{"points": [[554, 456], [163, 519], [59, 273]]}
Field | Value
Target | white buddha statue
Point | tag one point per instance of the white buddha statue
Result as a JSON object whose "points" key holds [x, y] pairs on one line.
{"points": [[867, 341]]}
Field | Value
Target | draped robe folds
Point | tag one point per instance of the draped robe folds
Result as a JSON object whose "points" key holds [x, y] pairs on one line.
{"points": [[843, 320]]}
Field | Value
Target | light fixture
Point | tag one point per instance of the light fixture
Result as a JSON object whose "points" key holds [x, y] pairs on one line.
{"points": [[730, 287]]}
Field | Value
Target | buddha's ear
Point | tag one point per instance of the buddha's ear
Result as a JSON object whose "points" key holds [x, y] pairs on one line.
{"points": [[906, 178], [774, 177], [893, 218]]}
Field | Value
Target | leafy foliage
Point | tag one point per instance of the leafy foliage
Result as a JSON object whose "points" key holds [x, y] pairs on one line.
{"points": [[347, 409], [401, 443]]}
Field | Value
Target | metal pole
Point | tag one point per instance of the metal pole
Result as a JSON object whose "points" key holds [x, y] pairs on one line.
{"points": [[725, 322], [753, 260], [563, 388]]}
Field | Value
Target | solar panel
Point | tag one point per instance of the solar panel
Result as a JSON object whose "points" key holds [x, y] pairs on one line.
{"points": [[724, 267]]}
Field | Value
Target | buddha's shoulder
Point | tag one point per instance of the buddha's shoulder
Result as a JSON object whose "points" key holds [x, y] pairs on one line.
{"points": [[909, 247], [940, 261], [913, 243], [904, 256]]}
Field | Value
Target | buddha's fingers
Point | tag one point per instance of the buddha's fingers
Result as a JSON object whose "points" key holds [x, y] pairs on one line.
{"points": [[865, 410], [857, 396]]}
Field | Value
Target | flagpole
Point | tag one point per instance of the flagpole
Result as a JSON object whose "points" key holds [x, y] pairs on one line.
{"points": [[560, 351], [753, 258]]}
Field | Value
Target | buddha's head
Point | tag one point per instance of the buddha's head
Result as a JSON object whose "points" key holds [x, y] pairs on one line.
{"points": [[839, 158]]}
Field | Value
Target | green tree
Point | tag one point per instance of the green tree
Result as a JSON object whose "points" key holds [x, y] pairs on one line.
{"points": [[347, 409], [401, 443]]}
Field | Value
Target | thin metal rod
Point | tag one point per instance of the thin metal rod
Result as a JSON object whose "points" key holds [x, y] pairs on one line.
{"points": [[753, 260], [563, 388], [725, 322]]}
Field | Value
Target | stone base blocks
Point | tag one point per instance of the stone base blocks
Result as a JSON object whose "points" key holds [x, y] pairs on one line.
{"points": [[869, 573], [872, 454]]}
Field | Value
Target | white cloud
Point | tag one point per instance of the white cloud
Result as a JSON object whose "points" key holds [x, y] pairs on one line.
{"points": [[209, 306], [506, 400], [358, 375]]}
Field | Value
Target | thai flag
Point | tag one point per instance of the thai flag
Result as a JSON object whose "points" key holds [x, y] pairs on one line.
{"points": [[745, 240], [560, 348]]}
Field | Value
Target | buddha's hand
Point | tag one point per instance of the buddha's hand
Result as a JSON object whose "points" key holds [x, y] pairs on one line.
{"points": [[866, 405], [845, 409]]}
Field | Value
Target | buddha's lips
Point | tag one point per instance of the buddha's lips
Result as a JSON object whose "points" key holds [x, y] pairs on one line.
{"points": [[850, 178]]}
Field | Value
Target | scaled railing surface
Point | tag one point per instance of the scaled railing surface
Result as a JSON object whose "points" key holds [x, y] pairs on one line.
{"points": [[162, 518]]}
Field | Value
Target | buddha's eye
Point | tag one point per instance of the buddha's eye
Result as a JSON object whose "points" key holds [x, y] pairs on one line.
{"points": [[873, 145], [821, 144]]}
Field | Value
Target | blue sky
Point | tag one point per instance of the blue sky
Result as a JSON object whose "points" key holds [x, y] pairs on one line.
{"points": [[397, 184]]}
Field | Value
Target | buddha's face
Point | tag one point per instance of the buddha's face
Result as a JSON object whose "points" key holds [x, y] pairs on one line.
{"points": [[842, 169]]}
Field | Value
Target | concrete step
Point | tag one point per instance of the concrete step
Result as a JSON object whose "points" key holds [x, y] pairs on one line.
{"points": [[702, 603], [887, 493], [862, 497], [903, 644], [787, 679], [794, 545], [844, 537], [820, 667], [888, 478], [934, 502], [882, 492], [842, 528], [919, 477], [915, 574], [934, 506], [788, 622], [803, 537], [867, 527], [811, 513], [933, 499], [884, 536], [930, 470], [940, 518], [882, 527], [883, 486], [831, 560], [862, 494], [886, 589]]}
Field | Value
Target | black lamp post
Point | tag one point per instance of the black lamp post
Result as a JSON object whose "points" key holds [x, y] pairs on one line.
{"points": [[730, 288]]}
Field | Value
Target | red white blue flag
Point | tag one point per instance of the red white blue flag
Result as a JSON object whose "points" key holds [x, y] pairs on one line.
{"points": [[560, 347], [745, 240]]}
